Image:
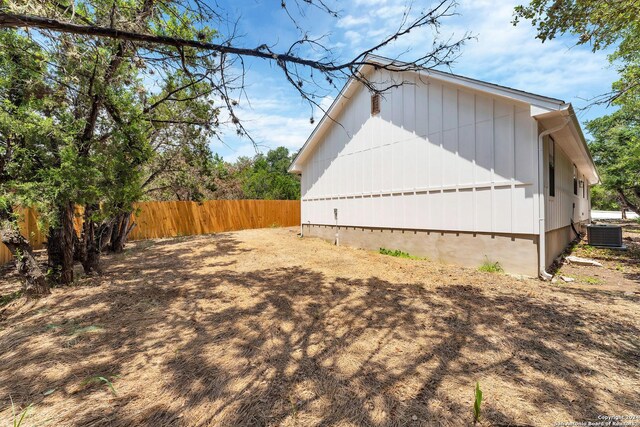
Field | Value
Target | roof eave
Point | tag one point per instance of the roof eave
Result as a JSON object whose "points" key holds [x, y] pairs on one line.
{"points": [[577, 131], [567, 112]]}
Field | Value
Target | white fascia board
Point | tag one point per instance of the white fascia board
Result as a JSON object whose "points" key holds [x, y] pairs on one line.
{"points": [[540, 113], [548, 104], [474, 84]]}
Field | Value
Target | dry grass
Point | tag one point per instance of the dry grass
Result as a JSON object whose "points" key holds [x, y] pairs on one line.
{"points": [[260, 327], [621, 270]]}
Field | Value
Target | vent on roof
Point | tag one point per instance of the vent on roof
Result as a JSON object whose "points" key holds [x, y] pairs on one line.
{"points": [[604, 235]]}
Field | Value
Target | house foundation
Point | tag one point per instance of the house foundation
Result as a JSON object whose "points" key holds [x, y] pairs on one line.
{"points": [[516, 253]]}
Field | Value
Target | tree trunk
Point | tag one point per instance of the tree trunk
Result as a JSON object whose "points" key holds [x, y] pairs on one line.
{"points": [[629, 204], [78, 249], [90, 242], [104, 232], [60, 246], [121, 228], [35, 284]]}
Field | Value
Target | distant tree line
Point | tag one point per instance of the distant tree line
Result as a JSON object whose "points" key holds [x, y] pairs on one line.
{"points": [[199, 176]]}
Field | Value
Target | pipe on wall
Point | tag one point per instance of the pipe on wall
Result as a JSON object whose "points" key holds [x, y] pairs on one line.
{"points": [[542, 268], [335, 214]]}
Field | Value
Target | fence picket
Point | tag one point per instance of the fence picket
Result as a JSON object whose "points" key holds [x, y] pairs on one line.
{"points": [[175, 218]]}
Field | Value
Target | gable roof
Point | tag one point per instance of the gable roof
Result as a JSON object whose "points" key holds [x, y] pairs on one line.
{"points": [[540, 105]]}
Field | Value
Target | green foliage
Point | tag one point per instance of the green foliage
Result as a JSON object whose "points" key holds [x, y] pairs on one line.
{"points": [[397, 253], [616, 152], [197, 175], [185, 171], [25, 131], [592, 280], [19, 417], [491, 267], [603, 198], [102, 380], [599, 23], [6, 299], [82, 119], [268, 178], [477, 402]]}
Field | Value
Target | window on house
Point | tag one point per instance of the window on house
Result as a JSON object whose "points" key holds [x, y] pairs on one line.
{"points": [[575, 180], [583, 187], [375, 104], [552, 167]]}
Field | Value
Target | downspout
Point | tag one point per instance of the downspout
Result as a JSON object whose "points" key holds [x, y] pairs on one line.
{"points": [[542, 268], [301, 223]]}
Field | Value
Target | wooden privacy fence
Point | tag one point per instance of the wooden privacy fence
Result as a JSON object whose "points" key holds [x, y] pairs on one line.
{"points": [[30, 230], [172, 219]]}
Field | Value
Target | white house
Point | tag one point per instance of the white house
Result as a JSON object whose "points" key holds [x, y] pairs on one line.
{"points": [[449, 168]]}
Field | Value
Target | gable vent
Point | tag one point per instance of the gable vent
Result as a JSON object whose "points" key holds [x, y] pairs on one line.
{"points": [[375, 104]]}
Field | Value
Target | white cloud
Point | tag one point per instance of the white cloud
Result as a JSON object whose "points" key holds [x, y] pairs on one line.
{"points": [[326, 103], [369, 2], [352, 37], [271, 122], [352, 21], [512, 56]]}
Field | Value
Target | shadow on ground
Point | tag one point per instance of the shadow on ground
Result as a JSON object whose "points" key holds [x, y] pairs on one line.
{"points": [[291, 346]]}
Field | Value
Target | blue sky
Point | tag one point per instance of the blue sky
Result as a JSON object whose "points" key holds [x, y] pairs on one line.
{"points": [[501, 53]]}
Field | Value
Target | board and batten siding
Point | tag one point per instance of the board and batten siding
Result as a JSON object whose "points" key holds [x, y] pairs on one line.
{"points": [[437, 157], [559, 209]]}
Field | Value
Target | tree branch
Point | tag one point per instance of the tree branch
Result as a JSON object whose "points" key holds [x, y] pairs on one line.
{"points": [[264, 52]]}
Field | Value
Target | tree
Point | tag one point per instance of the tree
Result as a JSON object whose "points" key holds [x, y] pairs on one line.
{"points": [[184, 171], [616, 152], [616, 145], [230, 178], [23, 133], [269, 177], [604, 199], [99, 122], [598, 23], [196, 174]]}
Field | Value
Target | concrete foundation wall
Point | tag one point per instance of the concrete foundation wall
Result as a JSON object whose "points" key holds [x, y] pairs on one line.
{"points": [[516, 253], [557, 240]]}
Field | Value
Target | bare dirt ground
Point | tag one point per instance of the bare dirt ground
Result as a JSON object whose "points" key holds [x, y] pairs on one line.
{"points": [[621, 270], [260, 327]]}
